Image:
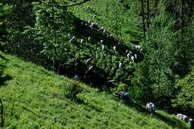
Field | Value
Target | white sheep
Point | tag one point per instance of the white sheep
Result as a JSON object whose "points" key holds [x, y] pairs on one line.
{"points": [[120, 64], [86, 24], [135, 56], [90, 68], [182, 117], [89, 38], [151, 107], [88, 60], [128, 54], [72, 39], [101, 29], [132, 58], [109, 35], [91, 25], [110, 81], [82, 40], [136, 46], [114, 48], [190, 120], [76, 77], [103, 46]]}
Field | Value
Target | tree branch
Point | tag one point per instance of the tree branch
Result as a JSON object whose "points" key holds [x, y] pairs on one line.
{"points": [[65, 6]]}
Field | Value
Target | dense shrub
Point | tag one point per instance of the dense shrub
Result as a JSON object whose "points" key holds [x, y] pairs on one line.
{"points": [[5, 11], [185, 99], [71, 91]]}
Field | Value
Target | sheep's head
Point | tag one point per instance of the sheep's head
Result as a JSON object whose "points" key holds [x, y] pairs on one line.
{"points": [[190, 120]]}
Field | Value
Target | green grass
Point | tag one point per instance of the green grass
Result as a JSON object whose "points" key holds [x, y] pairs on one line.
{"points": [[35, 98], [111, 14]]}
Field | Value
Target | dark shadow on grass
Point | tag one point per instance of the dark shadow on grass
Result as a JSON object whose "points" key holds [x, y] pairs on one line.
{"points": [[77, 100], [2, 57], [91, 107], [4, 79], [170, 121]]}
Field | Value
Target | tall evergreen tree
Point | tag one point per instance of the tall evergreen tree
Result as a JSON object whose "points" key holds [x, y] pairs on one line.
{"points": [[154, 76]]}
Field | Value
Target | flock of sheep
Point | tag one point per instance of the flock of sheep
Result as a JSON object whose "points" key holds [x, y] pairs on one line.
{"points": [[94, 26], [151, 107]]}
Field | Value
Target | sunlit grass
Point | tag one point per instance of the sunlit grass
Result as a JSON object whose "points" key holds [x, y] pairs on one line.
{"points": [[36, 98]]}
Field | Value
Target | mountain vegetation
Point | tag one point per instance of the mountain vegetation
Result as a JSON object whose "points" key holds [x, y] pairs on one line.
{"points": [[143, 47], [35, 98]]}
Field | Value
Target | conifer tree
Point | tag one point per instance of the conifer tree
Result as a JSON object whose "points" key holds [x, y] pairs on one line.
{"points": [[154, 76]]}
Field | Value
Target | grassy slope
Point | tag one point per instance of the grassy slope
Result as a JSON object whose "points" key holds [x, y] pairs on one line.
{"points": [[35, 98], [111, 14]]}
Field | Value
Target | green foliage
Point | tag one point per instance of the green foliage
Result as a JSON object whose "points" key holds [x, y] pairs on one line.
{"points": [[185, 98], [184, 50], [126, 3], [39, 32], [21, 16], [154, 75], [110, 64], [122, 87], [5, 10], [51, 28]]}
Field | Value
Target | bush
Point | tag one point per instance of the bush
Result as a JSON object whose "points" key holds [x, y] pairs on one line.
{"points": [[185, 98], [5, 11], [72, 90]]}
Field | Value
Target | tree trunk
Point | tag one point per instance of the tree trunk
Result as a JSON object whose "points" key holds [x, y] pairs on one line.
{"points": [[143, 17], [1, 114], [148, 13]]}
